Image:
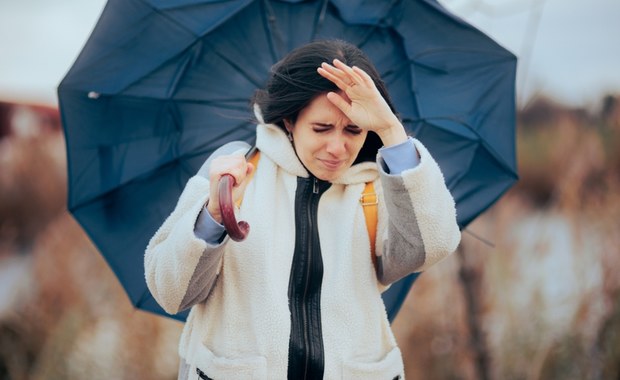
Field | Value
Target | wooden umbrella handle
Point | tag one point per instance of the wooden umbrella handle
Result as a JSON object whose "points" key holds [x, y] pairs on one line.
{"points": [[236, 231]]}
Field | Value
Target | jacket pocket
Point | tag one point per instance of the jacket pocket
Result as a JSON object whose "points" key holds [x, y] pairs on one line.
{"points": [[388, 368], [212, 367]]}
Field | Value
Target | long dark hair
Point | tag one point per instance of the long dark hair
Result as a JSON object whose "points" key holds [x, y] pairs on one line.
{"points": [[294, 83]]}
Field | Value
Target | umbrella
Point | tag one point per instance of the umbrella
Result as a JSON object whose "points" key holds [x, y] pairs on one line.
{"points": [[161, 83]]}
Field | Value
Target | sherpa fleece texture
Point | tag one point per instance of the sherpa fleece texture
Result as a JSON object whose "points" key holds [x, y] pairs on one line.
{"points": [[241, 330]]}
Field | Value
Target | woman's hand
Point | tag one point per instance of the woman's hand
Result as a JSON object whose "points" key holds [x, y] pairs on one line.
{"points": [[363, 104], [235, 165]]}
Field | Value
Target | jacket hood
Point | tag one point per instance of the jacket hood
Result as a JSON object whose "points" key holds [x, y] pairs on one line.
{"points": [[272, 141]]}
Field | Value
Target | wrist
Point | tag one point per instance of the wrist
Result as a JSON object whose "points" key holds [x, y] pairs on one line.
{"points": [[394, 134], [215, 214]]}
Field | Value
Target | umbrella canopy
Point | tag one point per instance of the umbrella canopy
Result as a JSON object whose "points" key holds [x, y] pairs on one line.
{"points": [[160, 84]]}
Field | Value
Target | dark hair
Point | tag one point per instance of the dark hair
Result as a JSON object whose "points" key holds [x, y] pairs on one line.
{"points": [[294, 83]]}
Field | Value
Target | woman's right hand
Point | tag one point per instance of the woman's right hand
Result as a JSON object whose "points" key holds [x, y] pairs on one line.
{"points": [[235, 165]]}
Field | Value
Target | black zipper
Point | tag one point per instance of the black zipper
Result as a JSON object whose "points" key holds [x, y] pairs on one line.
{"points": [[306, 359], [307, 348], [202, 375], [315, 190]]}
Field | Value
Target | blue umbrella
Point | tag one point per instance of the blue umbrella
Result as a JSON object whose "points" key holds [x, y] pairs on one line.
{"points": [[160, 84]]}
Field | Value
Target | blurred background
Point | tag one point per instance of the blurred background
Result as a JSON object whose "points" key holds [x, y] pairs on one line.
{"points": [[532, 293]]}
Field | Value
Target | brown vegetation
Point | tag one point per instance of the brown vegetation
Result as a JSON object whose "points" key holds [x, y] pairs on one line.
{"points": [[547, 292]]}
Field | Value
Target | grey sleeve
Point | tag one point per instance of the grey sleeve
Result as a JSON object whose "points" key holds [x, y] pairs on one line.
{"points": [[204, 277], [420, 227], [404, 248]]}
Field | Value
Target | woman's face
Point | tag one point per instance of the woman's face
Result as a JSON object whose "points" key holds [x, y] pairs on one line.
{"points": [[325, 140]]}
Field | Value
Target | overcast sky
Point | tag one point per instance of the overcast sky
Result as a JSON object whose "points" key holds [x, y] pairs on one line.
{"points": [[566, 48]]}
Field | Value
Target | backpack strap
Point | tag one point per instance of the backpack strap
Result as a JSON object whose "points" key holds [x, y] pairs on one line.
{"points": [[368, 200]]}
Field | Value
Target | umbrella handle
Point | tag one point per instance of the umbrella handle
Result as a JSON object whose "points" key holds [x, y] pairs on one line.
{"points": [[236, 231]]}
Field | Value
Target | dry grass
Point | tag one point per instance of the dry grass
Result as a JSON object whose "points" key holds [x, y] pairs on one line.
{"points": [[32, 184]]}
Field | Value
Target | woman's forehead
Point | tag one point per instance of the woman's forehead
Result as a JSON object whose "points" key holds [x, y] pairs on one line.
{"points": [[321, 109]]}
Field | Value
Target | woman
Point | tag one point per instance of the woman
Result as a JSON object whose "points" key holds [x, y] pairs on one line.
{"points": [[300, 298]]}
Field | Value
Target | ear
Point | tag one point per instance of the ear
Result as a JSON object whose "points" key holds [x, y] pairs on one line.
{"points": [[288, 125]]}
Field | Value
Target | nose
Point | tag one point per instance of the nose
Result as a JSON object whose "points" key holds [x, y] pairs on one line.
{"points": [[337, 145]]}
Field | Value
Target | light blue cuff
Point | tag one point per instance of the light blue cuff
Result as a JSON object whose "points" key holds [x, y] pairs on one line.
{"points": [[207, 228], [400, 157]]}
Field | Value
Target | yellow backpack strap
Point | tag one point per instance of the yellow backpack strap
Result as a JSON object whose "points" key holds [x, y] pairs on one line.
{"points": [[253, 159], [369, 201]]}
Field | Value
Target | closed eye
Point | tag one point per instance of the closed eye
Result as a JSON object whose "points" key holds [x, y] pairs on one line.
{"points": [[321, 127], [353, 129], [324, 127]]}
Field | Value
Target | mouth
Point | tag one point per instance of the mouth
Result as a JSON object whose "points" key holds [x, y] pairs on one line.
{"points": [[332, 164]]}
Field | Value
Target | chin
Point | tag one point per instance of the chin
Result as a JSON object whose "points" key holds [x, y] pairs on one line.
{"points": [[328, 176]]}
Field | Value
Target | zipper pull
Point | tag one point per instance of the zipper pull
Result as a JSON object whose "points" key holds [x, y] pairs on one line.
{"points": [[315, 186]]}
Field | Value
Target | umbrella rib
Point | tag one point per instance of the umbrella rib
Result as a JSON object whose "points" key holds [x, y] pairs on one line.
{"points": [[179, 73], [481, 141], [461, 50], [483, 240], [167, 17], [269, 23], [237, 67], [319, 19], [143, 298], [414, 60], [178, 23], [381, 22], [187, 61], [230, 103]]}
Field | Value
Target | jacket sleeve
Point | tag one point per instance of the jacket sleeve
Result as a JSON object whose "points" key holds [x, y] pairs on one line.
{"points": [[180, 268], [421, 219]]}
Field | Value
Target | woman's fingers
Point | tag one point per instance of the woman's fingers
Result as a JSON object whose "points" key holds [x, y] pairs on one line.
{"points": [[331, 73], [235, 165], [343, 76], [363, 76], [350, 74], [240, 184], [339, 102]]}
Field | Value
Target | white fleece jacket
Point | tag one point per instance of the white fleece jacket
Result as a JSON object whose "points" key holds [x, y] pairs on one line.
{"points": [[239, 328]]}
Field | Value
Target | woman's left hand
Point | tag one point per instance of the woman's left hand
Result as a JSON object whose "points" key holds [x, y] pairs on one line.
{"points": [[363, 103]]}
